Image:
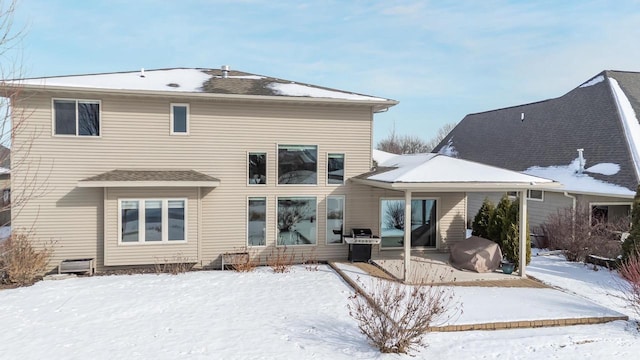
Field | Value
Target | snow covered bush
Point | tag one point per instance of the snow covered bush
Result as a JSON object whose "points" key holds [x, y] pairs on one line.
{"points": [[396, 317], [480, 225], [21, 263]]}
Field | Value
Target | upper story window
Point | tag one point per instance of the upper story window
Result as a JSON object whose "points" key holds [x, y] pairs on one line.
{"points": [[179, 119], [335, 169], [298, 164], [76, 117], [257, 168], [535, 195]]}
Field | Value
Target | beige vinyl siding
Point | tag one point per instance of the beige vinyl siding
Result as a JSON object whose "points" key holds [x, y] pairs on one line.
{"points": [[135, 134], [150, 253]]}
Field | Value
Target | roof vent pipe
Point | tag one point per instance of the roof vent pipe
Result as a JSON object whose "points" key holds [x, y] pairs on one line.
{"points": [[142, 72], [225, 71], [581, 161]]}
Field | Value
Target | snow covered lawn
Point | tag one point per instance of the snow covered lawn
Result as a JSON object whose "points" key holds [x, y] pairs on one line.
{"points": [[259, 315]]}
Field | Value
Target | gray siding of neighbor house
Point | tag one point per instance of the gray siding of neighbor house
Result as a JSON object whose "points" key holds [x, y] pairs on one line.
{"points": [[538, 211], [135, 135]]}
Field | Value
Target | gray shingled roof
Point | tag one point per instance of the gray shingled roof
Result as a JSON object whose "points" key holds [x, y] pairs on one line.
{"points": [[586, 117], [151, 175]]}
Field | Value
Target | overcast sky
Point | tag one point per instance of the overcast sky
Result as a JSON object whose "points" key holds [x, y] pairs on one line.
{"points": [[440, 59]]}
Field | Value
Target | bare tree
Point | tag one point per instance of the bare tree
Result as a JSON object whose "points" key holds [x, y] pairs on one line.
{"points": [[412, 144]]}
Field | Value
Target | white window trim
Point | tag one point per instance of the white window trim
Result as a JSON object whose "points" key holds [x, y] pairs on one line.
{"points": [[276, 219], [141, 222], [344, 223], [53, 118], [535, 199], [171, 117], [344, 169], [266, 221], [318, 173], [266, 168], [608, 203], [438, 239]]}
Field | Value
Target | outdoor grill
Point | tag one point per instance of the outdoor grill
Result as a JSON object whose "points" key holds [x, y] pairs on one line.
{"points": [[360, 243]]}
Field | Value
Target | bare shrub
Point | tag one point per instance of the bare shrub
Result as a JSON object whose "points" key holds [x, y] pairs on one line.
{"points": [[20, 262], [630, 271], [310, 261], [177, 265], [396, 317], [279, 260], [580, 235], [242, 262]]}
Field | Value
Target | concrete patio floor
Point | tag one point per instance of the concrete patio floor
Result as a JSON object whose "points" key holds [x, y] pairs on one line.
{"points": [[434, 267]]}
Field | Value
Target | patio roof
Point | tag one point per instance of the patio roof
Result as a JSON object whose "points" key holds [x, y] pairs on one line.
{"points": [[441, 173], [150, 178]]}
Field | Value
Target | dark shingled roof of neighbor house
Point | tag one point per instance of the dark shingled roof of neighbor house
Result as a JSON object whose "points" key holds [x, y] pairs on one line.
{"points": [[586, 117]]}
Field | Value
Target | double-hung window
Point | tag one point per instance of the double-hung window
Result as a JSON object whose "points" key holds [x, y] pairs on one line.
{"points": [[179, 119], [76, 117], [153, 220]]}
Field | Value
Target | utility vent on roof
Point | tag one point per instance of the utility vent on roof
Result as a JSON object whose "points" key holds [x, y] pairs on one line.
{"points": [[142, 73], [173, 85], [225, 71]]}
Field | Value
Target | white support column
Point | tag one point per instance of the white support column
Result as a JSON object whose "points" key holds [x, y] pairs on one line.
{"points": [[407, 235], [523, 234]]}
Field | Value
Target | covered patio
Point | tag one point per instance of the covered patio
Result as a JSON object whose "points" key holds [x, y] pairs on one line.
{"points": [[437, 173]]}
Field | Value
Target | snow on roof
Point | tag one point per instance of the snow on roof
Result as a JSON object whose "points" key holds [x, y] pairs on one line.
{"points": [[380, 156], [438, 168], [571, 181], [195, 80], [449, 149], [187, 80], [629, 123], [310, 91], [604, 169], [595, 80]]}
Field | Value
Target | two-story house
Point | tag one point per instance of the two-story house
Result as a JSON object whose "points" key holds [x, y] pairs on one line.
{"points": [[136, 168]]}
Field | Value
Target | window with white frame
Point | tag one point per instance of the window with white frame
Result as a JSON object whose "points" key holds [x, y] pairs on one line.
{"points": [[298, 164], [179, 119], [152, 220], [257, 168], [335, 169], [297, 221], [535, 195], [335, 219], [76, 117], [257, 221]]}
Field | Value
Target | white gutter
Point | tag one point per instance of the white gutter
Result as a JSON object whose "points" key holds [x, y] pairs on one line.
{"points": [[379, 105]]}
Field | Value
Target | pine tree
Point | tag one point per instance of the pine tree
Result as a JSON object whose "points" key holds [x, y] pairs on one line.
{"points": [[631, 244], [480, 225], [499, 220]]}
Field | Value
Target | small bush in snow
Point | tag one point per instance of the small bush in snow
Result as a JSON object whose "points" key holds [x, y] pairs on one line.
{"points": [[20, 262], [630, 271], [396, 317], [279, 260], [177, 265]]}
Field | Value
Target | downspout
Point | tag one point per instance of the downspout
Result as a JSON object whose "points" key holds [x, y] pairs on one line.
{"points": [[573, 214]]}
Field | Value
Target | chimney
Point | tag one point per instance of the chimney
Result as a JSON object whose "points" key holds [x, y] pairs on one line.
{"points": [[225, 71], [581, 162]]}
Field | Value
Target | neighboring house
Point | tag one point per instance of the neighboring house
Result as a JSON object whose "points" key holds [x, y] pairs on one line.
{"points": [[5, 186], [544, 138], [138, 168]]}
